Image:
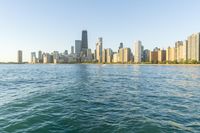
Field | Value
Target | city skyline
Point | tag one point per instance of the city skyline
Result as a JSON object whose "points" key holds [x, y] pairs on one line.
{"points": [[183, 52], [33, 25]]}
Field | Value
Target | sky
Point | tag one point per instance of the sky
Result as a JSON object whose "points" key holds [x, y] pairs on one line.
{"points": [[54, 25]]}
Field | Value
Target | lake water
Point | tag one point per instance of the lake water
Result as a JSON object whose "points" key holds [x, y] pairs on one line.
{"points": [[99, 98]]}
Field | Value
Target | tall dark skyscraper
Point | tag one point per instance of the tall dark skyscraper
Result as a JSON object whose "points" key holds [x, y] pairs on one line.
{"points": [[84, 44]]}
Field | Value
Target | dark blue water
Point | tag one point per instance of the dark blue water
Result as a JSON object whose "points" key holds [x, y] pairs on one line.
{"points": [[99, 98]]}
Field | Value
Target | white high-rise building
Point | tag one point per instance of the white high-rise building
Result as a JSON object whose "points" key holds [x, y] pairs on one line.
{"points": [[194, 47], [99, 46], [138, 50]]}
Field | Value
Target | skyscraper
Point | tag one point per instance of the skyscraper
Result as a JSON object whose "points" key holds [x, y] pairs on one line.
{"points": [[84, 42], [146, 55], [19, 57], [99, 46], [120, 46], [104, 56], [138, 50], [121, 55], [127, 55], [72, 49], [109, 55], [171, 54], [115, 58], [185, 50], [33, 58], [40, 58], [154, 56], [77, 47], [194, 47], [161, 56], [179, 51]]}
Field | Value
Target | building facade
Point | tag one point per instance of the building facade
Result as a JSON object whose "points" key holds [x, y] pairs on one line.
{"points": [[78, 47], [194, 47], [99, 47], [138, 50], [127, 55], [161, 56], [19, 57], [154, 57], [84, 43]]}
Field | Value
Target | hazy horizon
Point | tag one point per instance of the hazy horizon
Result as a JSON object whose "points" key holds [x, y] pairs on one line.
{"points": [[50, 25]]}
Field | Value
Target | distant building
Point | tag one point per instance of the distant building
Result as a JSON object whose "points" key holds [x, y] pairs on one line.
{"points": [[120, 46], [146, 55], [78, 47], [171, 54], [194, 47], [179, 51], [121, 55], [99, 47], [156, 49], [161, 56], [84, 43], [115, 58], [154, 57], [185, 50], [127, 55], [33, 58], [66, 52], [109, 55], [89, 55], [138, 50], [55, 57], [104, 56], [19, 57], [72, 49], [47, 58], [40, 57]]}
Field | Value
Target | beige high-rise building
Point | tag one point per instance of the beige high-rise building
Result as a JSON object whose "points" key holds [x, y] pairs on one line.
{"points": [[127, 55], [115, 58], [104, 56], [138, 50], [99, 46], [161, 55], [109, 55], [179, 51], [171, 54], [121, 55], [194, 47], [19, 57], [185, 50]]}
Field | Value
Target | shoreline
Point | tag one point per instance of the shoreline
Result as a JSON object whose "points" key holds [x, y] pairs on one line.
{"points": [[142, 64]]}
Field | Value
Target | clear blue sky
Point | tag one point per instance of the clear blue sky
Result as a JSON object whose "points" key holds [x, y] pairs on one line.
{"points": [[47, 25]]}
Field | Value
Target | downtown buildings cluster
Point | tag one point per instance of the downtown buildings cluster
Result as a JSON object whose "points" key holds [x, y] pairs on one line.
{"points": [[187, 51]]}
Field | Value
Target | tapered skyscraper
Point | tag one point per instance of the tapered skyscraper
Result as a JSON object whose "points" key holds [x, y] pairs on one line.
{"points": [[84, 44]]}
